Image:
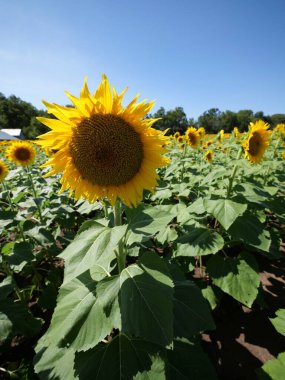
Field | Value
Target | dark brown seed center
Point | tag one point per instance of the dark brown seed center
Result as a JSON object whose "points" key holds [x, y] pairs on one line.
{"points": [[106, 150]]}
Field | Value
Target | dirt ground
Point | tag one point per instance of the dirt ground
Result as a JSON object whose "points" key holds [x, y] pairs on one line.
{"points": [[245, 338]]}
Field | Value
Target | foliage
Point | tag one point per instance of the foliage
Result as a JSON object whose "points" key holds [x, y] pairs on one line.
{"points": [[86, 313]]}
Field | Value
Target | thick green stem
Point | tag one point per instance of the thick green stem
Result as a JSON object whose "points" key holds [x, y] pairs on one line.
{"points": [[8, 196], [34, 193], [232, 177], [120, 253]]}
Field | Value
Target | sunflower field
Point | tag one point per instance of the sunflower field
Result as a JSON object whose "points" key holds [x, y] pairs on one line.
{"points": [[124, 250]]}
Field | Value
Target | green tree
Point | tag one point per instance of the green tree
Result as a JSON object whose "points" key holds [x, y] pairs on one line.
{"points": [[210, 120]]}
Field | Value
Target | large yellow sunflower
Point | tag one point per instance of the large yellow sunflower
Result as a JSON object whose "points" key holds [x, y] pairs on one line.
{"points": [[21, 153], [257, 141], [193, 137], [3, 171], [103, 149], [209, 155]]}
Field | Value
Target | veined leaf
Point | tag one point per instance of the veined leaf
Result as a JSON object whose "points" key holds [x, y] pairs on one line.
{"points": [[187, 361], [248, 229], [122, 358], [86, 312], [224, 210], [198, 241], [279, 321], [191, 311], [146, 300], [237, 277], [274, 368], [94, 246]]}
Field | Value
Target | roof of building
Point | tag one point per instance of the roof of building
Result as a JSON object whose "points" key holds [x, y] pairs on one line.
{"points": [[6, 136]]}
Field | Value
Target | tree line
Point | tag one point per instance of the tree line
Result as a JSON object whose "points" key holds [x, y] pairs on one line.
{"points": [[16, 113]]}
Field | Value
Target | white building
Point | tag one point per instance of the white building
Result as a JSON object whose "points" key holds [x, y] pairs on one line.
{"points": [[11, 134]]}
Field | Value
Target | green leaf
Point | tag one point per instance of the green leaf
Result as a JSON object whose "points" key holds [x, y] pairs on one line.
{"points": [[55, 363], [191, 311], [214, 175], [199, 241], [273, 369], [41, 235], [279, 321], [6, 218], [146, 300], [94, 246], [237, 277], [224, 210], [148, 220], [166, 235], [22, 253], [211, 295], [248, 229], [16, 319], [188, 361], [197, 207], [6, 287], [85, 313], [122, 358]]}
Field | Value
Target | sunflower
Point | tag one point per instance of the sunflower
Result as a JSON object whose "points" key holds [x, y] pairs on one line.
{"points": [[201, 131], [21, 153], [280, 128], [209, 155], [176, 135], [103, 149], [257, 141], [193, 137], [221, 135], [3, 171]]}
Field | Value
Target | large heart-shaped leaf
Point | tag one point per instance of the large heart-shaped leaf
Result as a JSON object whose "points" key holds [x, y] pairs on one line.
{"points": [[224, 210], [146, 300], [198, 241], [237, 277], [122, 358]]}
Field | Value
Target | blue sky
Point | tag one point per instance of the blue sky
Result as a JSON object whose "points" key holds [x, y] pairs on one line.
{"points": [[194, 54]]}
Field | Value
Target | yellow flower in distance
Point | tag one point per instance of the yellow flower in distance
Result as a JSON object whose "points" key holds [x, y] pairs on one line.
{"points": [[21, 153], [201, 132], [103, 149], [193, 137], [257, 141], [209, 155], [280, 128], [3, 171], [176, 135]]}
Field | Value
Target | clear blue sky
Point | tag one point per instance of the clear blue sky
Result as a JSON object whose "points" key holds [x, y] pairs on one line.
{"points": [[200, 54]]}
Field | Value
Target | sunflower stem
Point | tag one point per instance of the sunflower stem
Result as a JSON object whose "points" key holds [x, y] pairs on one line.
{"points": [[120, 253], [34, 193], [232, 177], [8, 196]]}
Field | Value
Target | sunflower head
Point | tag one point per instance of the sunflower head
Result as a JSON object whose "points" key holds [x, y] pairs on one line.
{"points": [[21, 153], [193, 137], [221, 135], [201, 131], [257, 141], [102, 149], [3, 170], [176, 135], [236, 132], [280, 128], [209, 155]]}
